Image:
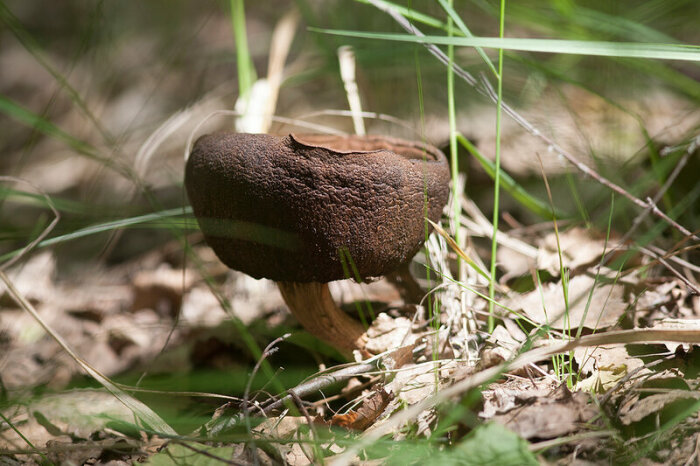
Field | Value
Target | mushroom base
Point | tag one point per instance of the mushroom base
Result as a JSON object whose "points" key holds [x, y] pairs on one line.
{"points": [[313, 306]]}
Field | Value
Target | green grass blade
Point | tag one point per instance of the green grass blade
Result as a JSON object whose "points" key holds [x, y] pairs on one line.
{"points": [[111, 226], [619, 26], [33, 199], [452, 116], [668, 75], [574, 47], [246, 71], [497, 172], [21, 114]]}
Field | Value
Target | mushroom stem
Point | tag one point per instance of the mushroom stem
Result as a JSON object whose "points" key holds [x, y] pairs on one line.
{"points": [[313, 306]]}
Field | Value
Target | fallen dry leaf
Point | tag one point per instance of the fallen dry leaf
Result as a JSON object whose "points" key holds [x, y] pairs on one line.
{"points": [[504, 396], [160, 289], [502, 347], [635, 412], [547, 306], [606, 366], [372, 407], [387, 333], [553, 415], [398, 358], [578, 248], [283, 428], [575, 118], [416, 382], [33, 279], [654, 297], [513, 263]]}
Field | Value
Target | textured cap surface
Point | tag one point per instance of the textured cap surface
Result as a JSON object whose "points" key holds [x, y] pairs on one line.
{"points": [[295, 208]]}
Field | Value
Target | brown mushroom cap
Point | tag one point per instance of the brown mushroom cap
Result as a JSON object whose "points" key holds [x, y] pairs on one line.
{"points": [[286, 208]]}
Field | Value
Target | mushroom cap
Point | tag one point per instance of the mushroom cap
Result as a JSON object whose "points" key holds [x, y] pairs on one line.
{"points": [[315, 208]]}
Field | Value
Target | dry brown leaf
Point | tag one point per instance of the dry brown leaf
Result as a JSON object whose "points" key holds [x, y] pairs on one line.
{"points": [[113, 450], [161, 290], [279, 427], [554, 415], [634, 412], [397, 420], [654, 297], [252, 299], [372, 407], [513, 263], [416, 382], [574, 119], [504, 396], [547, 306], [606, 366], [501, 347], [577, 246], [283, 428], [591, 359], [398, 358], [33, 278], [296, 456], [344, 420], [201, 308], [387, 333], [501, 337]]}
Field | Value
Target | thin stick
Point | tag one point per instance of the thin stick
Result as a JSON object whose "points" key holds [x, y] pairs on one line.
{"points": [[657, 197], [268, 351], [321, 382]]}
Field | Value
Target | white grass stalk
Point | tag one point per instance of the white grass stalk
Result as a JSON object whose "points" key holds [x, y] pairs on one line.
{"points": [[282, 38], [346, 59]]}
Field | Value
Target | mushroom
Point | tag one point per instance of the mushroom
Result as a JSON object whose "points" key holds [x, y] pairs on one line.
{"points": [[293, 209]]}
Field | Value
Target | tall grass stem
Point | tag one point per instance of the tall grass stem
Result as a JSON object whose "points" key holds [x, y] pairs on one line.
{"points": [[497, 179], [246, 72], [454, 161]]}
